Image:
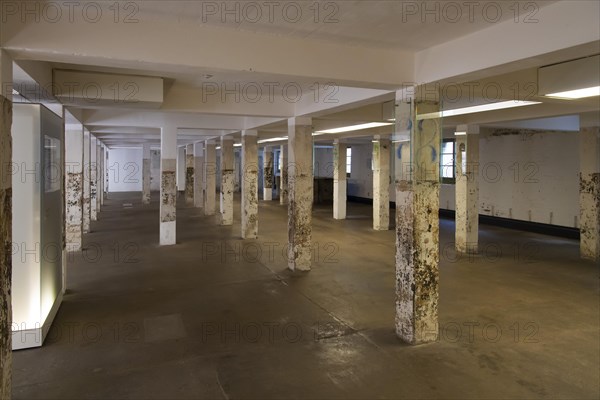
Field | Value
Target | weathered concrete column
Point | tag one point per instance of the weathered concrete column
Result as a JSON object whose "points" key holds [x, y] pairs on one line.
{"points": [[146, 173], [210, 177], [300, 175], [189, 175], [74, 187], [168, 185], [199, 174], [417, 221], [467, 189], [589, 193], [339, 180], [87, 174], [93, 178], [381, 184], [5, 225], [249, 184], [267, 173], [283, 176], [227, 180]]}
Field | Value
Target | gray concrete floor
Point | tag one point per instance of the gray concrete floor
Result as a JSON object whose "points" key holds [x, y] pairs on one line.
{"points": [[217, 317]]}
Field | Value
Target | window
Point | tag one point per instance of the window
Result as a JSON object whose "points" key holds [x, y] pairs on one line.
{"points": [[448, 157], [348, 161]]}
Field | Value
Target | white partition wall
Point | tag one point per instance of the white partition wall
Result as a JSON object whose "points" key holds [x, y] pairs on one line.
{"points": [[37, 237]]}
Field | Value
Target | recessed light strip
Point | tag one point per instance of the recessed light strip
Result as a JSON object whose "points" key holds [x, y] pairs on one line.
{"points": [[477, 109], [577, 94]]}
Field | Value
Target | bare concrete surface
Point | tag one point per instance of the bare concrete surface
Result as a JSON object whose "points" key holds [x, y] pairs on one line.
{"points": [[215, 317]]}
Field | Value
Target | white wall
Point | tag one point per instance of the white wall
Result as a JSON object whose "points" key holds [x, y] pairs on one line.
{"points": [[125, 170], [545, 185], [155, 170], [323, 162]]}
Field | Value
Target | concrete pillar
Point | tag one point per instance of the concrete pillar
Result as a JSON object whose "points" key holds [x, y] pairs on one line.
{"points": [[300, 194], [86, 181], [198, 174], [98, 150], [267, 173], [168, 185], [339, 180], [249, 184], [5, 225], [189, 175], [381, 184], [180, 170], [74, 187], [417, 221], [93, 178], [210, 177], [467, 189], [146, 173], [589, 193], [227, 180], [102, 174], [283, 176]]}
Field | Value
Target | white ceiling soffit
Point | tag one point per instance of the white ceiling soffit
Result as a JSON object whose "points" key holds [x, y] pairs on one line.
{"points": [[568, 76], [93, 89]]}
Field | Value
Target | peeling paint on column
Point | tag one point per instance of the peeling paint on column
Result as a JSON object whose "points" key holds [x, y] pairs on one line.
{"points": [[168, 191], [189, 175], [227, 181], [86, 182], [74, 210], [283, 177], [417, 260], [5, 250], [210, 178], [381, 185], [467, 194], [198, 175], [589, 194], [300, 197], [417, 226], [249, 187], [146, 175], [268, 174], [339, 181]]}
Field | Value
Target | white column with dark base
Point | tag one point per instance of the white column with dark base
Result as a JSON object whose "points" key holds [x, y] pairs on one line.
{"points": [[249, 184], [168, 185], [210, 177], [467, 189], [146, 173], [417, 221], [283, 176], [300, 175], [381, 184], [199, 174], [74, 187], [267, 173], [102, 176], [339, 180], [589, 193], [227, 181]]}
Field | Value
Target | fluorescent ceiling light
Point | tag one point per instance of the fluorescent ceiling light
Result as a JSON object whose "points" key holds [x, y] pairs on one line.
{"points": [[577, 94], [275, 139], [477, 109], [352, 128], [237, 145], [460, 133]]}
